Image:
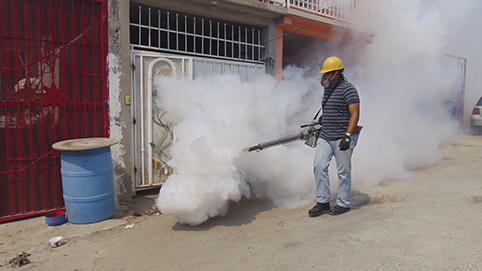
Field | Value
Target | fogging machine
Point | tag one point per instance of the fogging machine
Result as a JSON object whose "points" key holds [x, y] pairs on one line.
{"points": [[310, 136]]}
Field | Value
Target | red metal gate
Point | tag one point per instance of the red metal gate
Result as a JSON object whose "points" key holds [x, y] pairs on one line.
{"points": [[53, 86]]}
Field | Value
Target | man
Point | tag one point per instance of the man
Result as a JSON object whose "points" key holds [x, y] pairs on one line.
{"points": [[338, 137]]}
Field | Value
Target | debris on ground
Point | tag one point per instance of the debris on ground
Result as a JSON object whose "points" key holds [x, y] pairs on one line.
{"points": [[152, 211], [20, 260]]}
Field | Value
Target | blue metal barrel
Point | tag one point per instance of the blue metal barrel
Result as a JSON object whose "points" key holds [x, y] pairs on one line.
{"points": [[88, 181]]}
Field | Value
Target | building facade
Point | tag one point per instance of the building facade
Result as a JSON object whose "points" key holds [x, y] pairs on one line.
{"points": [[85, 68]]}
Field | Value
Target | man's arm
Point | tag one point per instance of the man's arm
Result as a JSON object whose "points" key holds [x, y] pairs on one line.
{"points": [[355, 115]]}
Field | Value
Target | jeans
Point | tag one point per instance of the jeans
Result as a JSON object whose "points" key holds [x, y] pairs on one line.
{"points": [[325, 150]]}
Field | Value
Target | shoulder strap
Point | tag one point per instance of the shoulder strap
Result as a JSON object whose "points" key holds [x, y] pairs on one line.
{"points": [[324, 103], [329, 94]]}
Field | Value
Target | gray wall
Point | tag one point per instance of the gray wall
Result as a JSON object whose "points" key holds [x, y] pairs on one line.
{"points": [[119, 112]]}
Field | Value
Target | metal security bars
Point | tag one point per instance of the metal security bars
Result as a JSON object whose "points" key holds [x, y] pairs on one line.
{"points": [[163, 30], [53, 86]]}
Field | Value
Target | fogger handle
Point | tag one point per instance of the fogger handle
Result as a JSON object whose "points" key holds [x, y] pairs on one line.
{"points": [[309, 124]]}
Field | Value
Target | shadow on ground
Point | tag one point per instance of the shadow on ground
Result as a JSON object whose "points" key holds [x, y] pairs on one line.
{"points": [[144, 200], [239, 213], [359, 199]]}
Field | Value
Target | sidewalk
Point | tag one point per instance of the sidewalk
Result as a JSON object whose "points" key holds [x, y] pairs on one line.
{"points": [[32, 235]]}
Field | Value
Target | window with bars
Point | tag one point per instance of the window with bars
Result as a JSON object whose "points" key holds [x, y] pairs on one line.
{"points": [[164, 30]]}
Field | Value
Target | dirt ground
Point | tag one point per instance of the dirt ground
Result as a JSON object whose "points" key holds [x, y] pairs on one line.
{"points": [[432, 222]]}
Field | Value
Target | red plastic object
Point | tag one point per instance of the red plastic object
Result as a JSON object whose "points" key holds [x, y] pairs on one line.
{"points": [[55, 218]]}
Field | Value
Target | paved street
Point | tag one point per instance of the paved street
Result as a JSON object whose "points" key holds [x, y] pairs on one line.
{"points": [[431, 222]]}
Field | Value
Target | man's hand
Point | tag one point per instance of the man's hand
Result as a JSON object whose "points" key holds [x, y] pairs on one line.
{"points": [[345, 143]]}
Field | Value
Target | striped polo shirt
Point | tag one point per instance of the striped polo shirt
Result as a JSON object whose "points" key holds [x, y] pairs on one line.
{"points": [[336, 114]]}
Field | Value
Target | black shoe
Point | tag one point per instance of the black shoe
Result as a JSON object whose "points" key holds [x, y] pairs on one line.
{"points": [[319, 209], [338, 210]]}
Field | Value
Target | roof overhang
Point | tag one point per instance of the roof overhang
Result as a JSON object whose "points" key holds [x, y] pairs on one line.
{"points": [[323, 29]]}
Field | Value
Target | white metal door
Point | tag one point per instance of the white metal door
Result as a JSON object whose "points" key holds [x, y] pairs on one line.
{"points": [[151, 135]]}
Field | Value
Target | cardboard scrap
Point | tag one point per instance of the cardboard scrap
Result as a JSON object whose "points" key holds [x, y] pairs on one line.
{"points": [[152, 211]]}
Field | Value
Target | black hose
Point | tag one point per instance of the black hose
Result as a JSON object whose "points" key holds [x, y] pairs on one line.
{"points": [[278, 141]]}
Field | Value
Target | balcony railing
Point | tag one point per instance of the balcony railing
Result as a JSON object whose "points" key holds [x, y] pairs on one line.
{"points": [[354, 12]]}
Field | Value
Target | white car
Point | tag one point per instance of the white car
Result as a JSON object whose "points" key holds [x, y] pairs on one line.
{"points": [[476, 118]]}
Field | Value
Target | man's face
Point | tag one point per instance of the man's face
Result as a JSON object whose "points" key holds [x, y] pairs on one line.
{"points": [[328, 78]]}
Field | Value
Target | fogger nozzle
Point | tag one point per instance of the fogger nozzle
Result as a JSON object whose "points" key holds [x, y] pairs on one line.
{"points": [[254, 148]]}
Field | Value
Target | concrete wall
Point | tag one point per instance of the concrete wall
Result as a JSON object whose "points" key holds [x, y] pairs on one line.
{"points": [[119, 111]]}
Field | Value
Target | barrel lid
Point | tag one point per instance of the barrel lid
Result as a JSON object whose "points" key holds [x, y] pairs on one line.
{"points": [[81, 144]]}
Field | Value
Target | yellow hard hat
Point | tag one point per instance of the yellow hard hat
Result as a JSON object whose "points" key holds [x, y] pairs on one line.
{"points": [[332, 63]]}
